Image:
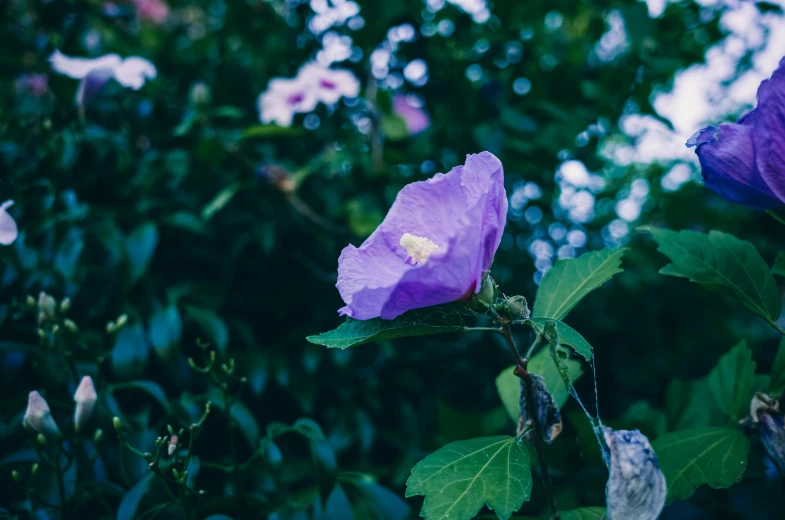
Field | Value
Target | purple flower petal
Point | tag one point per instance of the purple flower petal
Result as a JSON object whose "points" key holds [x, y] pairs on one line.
{"points": [[462, 212], [744, 162], [416, 119], [8, 228]]}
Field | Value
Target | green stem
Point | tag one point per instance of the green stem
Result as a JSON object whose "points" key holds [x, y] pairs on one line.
{"points": [[60, 484], [776, 217], [481, 329], [777, 327]]}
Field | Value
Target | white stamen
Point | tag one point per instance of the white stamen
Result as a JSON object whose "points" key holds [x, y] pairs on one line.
{"points": [[420, 249]]}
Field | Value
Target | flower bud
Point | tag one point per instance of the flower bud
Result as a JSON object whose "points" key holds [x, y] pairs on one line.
{"points": [[41, 439], [516, 307], [34, 469], [16, 476], [70, 326], [38, 416], [172, 445], [762, 403], [98, 436], [65, 305], [46, 306], [176, 474], [118, 425], [200, 94], [121, 321], [111, 328], [636, 486], [85, 398], [482, 301], [548, 416], [30, 301]]}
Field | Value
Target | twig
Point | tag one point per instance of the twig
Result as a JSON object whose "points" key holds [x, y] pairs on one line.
{"points": [[531, 410]]}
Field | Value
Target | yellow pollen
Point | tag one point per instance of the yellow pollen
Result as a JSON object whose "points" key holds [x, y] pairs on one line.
{"points": [[419, 248]]}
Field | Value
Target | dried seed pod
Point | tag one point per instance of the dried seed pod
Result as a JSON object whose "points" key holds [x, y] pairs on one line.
{"points": [[548, 416], [636, 487]]}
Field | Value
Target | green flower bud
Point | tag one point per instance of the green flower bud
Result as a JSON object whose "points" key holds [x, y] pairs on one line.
{"points": [[41, 333], [65, 305], [483, 300], [170, 429], [55, 329], [34, 469], [41, 439], [121, 321], [200, 94], [16, 476], [516, 308], [118, 425], [98, 436], [47, 306], [176, 474], [70, 326], [30, 301], [111, 328]]}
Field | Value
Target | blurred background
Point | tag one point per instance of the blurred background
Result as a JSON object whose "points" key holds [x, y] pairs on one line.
{"points": [[173, 205]]}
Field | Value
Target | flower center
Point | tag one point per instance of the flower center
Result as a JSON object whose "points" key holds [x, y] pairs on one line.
{"points": [[420, 249]]}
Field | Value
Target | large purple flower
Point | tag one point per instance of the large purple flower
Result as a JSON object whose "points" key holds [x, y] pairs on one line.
{"points": [[433, 247], [744, 162]]}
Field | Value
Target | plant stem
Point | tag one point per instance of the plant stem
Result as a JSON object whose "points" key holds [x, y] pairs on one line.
{"points": [[60, 484], [775, 216], [777, 327], [531, 410]]}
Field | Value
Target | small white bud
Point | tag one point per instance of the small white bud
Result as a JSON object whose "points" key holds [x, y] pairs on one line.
{"points": [[172, 445], [38, 415], [46, 306], [85, 398]]}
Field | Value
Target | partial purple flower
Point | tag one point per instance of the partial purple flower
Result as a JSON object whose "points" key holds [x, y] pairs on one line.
{"points": [[765, 411], [636, 486], [329, 85], [744, 162], [85, 398], [8, 228], [416, 118], [433, 247], [154, 11], [38, 415], [131, 72]]}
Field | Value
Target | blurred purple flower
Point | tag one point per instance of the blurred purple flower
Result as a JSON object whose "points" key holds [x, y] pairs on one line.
{"points": [[744, 162], [38, 415], [636, 486], [154, 11], [416, 118], [299, 95], [8, 229], [34, 84], [433, 247], [131, 72]]}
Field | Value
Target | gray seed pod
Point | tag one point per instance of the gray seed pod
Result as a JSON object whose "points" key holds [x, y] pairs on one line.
{"points": [[636, 488], [548, 416]]}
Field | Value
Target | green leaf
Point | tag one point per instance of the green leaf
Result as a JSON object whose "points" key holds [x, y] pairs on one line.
{"points": [[779, 265], [689, 404], [731, 381], [394, 127], [721, 262], [567, 335], [221, 199], [269, 131], [690, 458], [460, 478], [139, 248], [151, 388], [130, 502], [166, 328], [370, 500], [417, 322], [130, 352], [777, 384], [645, 412], [583, 513], [570, 280]]}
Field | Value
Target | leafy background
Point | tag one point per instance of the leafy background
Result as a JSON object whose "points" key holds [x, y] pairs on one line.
{"points": [[167, 207]]}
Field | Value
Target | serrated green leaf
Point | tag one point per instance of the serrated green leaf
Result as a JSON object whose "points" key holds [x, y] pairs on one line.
{"points": [[689, 404], [567, 335], [508, 385], [731, 381], [460, 478], [570, 280], [721, 262], [777, 384], [690, 458], [418, 322]]}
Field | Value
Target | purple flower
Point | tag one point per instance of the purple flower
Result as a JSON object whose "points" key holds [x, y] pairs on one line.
{"points": [[744, 162], [437, 240], [416, 118], [38, 415], [8, 228], [85, 398]]}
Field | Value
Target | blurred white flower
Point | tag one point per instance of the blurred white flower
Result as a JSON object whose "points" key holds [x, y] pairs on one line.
{"points": [[38, 416], [284, 98], [329, 85], [131, 72], [85, 398], [313, 84], [8, 229]]}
